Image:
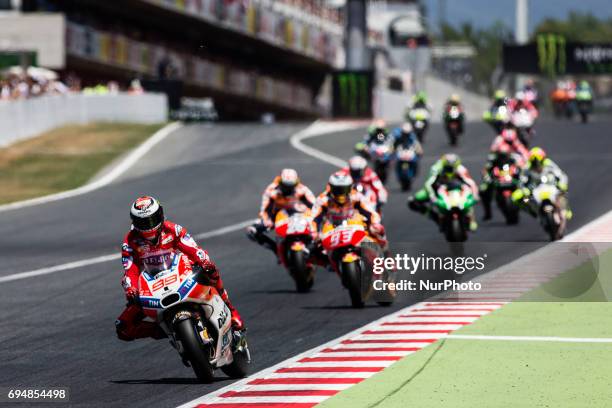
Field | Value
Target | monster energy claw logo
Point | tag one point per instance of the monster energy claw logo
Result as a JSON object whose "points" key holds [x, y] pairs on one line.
{"points": [[551, 54], [353, 89]]}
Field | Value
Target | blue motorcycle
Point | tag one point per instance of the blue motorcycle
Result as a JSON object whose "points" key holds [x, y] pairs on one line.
{"points": [[406, 165]]}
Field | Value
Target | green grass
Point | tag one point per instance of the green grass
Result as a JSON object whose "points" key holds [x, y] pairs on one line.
{"points": [[482, 373], [64, 158]]}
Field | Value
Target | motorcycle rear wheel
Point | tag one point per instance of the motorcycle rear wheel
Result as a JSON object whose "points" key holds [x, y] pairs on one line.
{"points": [[300, 272], [194, 351], [239, 367]]}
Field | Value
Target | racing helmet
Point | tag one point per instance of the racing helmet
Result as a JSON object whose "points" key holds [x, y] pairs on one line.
{"points": [[288, 182], [357, 166], [503, 152], [519, 96], [147, 216], [537, 155], [420, 97], [509, 135], [407, 128], [340, 186], [378, 126], [455, 99], [499, 95], [450, 164]]}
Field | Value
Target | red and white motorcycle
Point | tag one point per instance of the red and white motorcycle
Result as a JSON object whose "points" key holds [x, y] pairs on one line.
{"points": [[351, 252], [197, 321], [294, 235]]}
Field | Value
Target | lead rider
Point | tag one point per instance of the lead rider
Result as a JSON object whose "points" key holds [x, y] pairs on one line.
{"points": [[150, 240]]}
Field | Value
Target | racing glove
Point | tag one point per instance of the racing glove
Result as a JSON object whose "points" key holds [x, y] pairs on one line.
{"points": [[131, 295]]}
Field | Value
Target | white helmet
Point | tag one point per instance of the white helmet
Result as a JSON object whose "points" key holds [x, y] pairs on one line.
{"points": [[147, 216], [357, 166], [288, 181], [407, 127], [340, 185]]}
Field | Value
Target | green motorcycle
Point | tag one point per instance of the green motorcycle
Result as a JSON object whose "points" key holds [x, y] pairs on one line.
{"points": [[453, 206]]}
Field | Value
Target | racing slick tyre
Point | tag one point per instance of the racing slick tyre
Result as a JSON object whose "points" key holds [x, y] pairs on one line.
{"points": [[406, 184], [351, 277], [455, 231], [300, 271], [510, 210], [196, 353], [381, 171], [239, 368]]}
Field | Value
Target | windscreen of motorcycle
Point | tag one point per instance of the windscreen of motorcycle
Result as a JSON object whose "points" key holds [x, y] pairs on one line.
{"points": [[159, 261]]}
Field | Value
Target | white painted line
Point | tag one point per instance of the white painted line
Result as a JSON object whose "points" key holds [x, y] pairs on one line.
{"points": [[291, 387], [111, 257], [296, 141], [59, 268], [356, 364], [128, 162], [531, 338]]}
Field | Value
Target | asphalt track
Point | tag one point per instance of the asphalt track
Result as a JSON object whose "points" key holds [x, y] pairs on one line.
{"points": [[57, 330]]}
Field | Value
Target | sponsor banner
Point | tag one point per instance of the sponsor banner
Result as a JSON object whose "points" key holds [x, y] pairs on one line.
{"points": [[553, 55]]}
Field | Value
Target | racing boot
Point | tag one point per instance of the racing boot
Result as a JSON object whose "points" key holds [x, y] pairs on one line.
{"points": [[129, 325], [256, 233], [237, 322]]}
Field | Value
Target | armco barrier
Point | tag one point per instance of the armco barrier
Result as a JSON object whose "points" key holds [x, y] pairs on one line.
{"points": [[27, 118]]}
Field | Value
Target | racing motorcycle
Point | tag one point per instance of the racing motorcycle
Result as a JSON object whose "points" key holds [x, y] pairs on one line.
{"points": [[380, 154], [179, 298], [455, 199], [406, 165], [419, 118], [522, 121], [453, 118], [549, 205], [584, 102], [497, 118], [506, 179], [351, 252], [294, 235]]}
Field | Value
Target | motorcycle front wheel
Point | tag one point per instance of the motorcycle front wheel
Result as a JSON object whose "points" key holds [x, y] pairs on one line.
{"points": [[299, 271], [351, 277], [196, 353]]}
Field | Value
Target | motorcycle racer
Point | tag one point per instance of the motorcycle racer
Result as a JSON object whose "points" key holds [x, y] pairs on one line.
{"points": [[503, 154], [376, 131], [446, 169], [520, 101], [152, 240], [406, 137], [509, 137], [539, 164], [362, 174], [453, 101], [285, 192], [340, 200]]}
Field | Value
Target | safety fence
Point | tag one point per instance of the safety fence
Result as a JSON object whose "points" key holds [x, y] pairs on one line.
{"points": [[27, 118]]}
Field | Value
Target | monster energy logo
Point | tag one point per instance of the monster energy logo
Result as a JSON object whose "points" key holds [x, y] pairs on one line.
{"points": [[354, 93], [552, 58]]}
